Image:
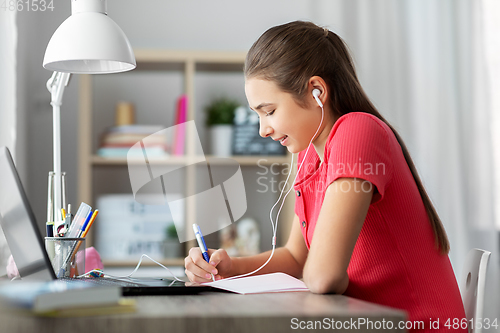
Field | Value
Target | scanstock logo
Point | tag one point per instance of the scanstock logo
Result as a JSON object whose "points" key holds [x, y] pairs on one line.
{"points": [[217, 191]]}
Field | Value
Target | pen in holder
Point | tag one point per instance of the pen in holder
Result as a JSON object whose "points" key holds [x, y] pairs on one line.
{"points": [[79, 220], [67, 255]]}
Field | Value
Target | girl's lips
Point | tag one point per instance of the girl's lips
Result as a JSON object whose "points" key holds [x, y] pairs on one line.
{"points": [[284, 140]]}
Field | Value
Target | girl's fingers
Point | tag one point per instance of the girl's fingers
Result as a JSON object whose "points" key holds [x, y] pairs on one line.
{"points": [[197, 258], [215, 258], [195, 279], [197, 269], [195, 273]]}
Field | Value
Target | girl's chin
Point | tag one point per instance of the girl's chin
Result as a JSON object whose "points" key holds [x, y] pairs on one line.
{"points": [[295, 150], [292, 149]]}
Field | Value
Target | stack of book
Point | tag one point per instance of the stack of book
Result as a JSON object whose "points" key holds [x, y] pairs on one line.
{"points": [[122, 141], [64, 298]]}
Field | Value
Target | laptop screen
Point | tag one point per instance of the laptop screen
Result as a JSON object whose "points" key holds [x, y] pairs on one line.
{"points": [[19, 224]]}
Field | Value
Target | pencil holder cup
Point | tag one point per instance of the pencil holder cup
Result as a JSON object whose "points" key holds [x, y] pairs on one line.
{"points": [[67, 256]]}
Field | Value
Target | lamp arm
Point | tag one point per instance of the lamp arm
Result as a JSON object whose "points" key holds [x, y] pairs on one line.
{"points": [[56, 85]]}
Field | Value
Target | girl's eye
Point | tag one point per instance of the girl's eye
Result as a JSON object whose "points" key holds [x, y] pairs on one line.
{"points": [[270, 113]]}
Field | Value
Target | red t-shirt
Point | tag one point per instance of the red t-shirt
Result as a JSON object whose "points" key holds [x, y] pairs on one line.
{"points": [[395, 261]]}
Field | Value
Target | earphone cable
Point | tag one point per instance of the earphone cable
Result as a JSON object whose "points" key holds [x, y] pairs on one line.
{"points": [[135, 270], [275, 228]]}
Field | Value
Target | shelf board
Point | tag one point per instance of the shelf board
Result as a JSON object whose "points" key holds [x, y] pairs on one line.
{"points": [[126, 263], [176, 160]]}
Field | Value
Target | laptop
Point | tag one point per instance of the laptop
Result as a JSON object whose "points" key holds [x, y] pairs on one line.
{"points": [[28, 250]]}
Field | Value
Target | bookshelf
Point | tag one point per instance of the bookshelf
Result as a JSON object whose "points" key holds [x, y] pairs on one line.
{"points": [[188, 63]]}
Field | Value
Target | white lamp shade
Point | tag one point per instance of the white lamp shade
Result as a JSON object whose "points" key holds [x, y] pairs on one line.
{"points": [[89, 43]]}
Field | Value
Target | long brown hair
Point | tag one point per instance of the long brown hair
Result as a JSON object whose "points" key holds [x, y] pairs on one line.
{"points": [[290, 54]]}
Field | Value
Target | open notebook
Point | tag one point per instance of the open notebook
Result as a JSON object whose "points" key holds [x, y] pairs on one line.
{"points": [[265, 283]]}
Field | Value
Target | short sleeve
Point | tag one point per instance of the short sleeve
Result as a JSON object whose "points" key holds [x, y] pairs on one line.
{"points": [[360, 148]]}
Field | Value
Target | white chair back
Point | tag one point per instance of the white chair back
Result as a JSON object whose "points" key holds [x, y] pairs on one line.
{"points": [[472, 287]]}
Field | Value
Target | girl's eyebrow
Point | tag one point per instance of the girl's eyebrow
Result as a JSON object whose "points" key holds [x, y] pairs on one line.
{"points": [[261, 105]]}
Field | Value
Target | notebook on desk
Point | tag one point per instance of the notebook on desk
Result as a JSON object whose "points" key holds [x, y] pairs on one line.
{"points": [[26, 243]]}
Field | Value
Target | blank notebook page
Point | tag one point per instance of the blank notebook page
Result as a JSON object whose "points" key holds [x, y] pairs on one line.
{"points": [[265, 283]]}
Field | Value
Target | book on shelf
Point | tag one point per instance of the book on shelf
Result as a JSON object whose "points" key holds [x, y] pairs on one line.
{"points": [[42, 296], [180, 129], [119, 141], [128, 140], [115, 152], [135, 129]]}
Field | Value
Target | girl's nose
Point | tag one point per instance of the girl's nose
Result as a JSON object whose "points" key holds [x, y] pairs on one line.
{"points": [[265, 130]]}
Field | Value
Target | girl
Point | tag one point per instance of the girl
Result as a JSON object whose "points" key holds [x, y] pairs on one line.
{"points": [[364, 225]]}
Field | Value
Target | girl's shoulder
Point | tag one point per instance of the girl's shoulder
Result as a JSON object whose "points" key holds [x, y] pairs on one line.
{"points": [[356, 126], [361, 120]]}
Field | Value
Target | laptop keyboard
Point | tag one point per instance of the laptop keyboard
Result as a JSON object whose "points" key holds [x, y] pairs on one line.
{"points": [[105, 282]]}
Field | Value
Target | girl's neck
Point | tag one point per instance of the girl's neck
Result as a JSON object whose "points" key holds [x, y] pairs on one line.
{"points": [[320, 142]]}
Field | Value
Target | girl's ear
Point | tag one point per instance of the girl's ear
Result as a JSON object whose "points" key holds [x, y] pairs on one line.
{"points": [[317, 83]]}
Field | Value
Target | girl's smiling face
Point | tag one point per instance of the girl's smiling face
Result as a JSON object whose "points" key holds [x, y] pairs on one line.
{"points": [[280, 116]]}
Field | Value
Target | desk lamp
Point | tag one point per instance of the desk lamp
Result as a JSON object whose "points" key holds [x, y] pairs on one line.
{"points": [[88, 42]]}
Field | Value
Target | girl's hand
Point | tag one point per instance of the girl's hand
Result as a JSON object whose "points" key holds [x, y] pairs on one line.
{"points": [[198, 270]]}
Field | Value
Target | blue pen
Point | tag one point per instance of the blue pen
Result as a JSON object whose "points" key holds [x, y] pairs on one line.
{"points": [[201, 244], [84, 225]]}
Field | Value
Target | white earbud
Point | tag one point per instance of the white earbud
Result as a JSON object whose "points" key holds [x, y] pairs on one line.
{"points": [[316, 94]]}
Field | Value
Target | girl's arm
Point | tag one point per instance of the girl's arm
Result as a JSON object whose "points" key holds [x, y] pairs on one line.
{"points": [[339, 223], [289, 259]]}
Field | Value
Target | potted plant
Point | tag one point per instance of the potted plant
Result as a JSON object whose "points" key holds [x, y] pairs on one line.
{"points": [[220, 115], [171, 245]]}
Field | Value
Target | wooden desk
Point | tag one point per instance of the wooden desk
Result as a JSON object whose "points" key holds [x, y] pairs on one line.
{"points": [[221, 313]]}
